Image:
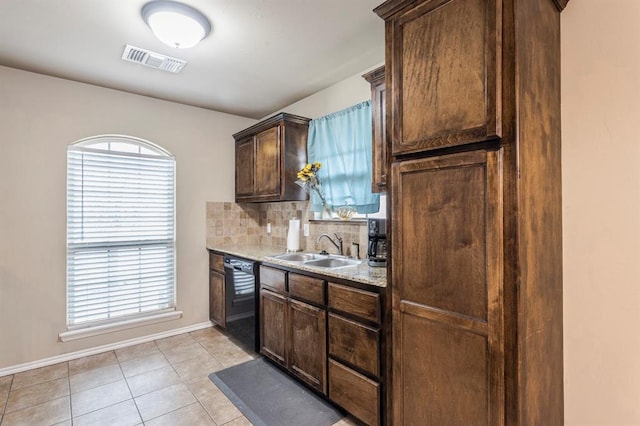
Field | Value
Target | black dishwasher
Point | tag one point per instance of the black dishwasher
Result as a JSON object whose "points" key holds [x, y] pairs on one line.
{"points": [[241, 300]]}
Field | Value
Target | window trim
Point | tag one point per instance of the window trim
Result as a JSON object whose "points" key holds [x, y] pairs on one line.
{"points": [[92, 328], [121, 324], [91, 140]]}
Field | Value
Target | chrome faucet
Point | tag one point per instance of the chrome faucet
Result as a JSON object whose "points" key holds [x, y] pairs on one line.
{"points": [[337, 245]]}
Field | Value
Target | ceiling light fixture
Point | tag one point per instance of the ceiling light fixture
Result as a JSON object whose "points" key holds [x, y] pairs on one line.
{"points": [[175, 24]]}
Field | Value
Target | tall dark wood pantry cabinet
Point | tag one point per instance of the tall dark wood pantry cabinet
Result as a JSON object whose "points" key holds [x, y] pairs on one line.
{"points": [[473, 100]]}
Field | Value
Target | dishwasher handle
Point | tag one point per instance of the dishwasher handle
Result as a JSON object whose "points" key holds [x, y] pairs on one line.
{"points": [[239, 265]]}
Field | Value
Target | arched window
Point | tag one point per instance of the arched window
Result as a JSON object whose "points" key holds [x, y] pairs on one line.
{"points": [[120, 230]]}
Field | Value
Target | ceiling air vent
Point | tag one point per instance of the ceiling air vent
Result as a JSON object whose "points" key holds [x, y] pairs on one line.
{"points": [[152, 59]]}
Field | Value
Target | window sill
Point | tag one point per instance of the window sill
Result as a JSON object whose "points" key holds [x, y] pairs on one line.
{"points": [[82, 333]]}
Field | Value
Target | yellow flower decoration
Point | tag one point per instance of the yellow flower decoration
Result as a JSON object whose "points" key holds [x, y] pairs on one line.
{"points": [[308, 179]]}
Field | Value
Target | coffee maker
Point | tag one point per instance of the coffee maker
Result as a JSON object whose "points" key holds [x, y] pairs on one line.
{"points": [[377, 248]]}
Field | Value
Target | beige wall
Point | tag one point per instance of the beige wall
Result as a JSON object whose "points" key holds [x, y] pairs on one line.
{"points": [[341, 95], [601, 200], [39, 116]]}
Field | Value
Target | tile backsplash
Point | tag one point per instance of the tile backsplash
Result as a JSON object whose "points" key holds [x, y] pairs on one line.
{"points": [[246, 223]]}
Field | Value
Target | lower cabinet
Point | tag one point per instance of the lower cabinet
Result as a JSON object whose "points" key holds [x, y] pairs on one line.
{"points": [[327, 335], [293, 332], [217, 289], [364, 355], [354, 392], [308, 355], [273, 326], [355, 351]]}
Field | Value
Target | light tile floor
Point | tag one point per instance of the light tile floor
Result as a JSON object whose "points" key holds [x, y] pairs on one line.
{"points": [[164, 382]]}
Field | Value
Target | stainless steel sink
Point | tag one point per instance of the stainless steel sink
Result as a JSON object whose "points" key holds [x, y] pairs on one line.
{"points": [[333, 263], [299, 257], [329, 261]]}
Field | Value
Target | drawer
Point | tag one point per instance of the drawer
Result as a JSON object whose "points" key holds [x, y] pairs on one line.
{"points": [[354, 392], [216, 262], [306, 288], [362, 303], [273, 278], [355, 343]]}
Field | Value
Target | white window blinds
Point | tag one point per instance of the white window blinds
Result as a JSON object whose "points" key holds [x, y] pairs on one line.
{"points": [[120, 230]]}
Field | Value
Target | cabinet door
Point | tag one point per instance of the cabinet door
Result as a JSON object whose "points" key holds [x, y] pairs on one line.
{"points": [[273, 330], [306, 288], [308, 344], [448, 308], [379, 93], [356, 393], [275, 279], [354, 301], [444, 74], [245, 166], [267, 179], [216, 298], [216, 262], [355, 343], [379, 116]]}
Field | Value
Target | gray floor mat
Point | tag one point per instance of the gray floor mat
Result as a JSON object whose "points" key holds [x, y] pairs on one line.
{"points": [[269, 397]]}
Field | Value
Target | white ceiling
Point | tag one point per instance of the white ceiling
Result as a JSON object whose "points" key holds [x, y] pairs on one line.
{"points": [[260, 56]]}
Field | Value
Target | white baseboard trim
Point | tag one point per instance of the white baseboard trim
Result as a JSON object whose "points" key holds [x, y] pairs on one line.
{"points": [[99, 349]]}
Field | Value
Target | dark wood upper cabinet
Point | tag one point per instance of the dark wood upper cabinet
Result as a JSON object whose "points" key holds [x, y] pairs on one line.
{"points": [[446, 76], [268, 156], [268, 171], [245, 167], [378, 114]]}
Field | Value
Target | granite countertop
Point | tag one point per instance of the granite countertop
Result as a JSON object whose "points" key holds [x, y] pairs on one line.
{"points": [[362, 273]]}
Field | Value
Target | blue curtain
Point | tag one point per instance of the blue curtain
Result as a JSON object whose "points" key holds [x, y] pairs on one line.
{"points": [[341, 142]]}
